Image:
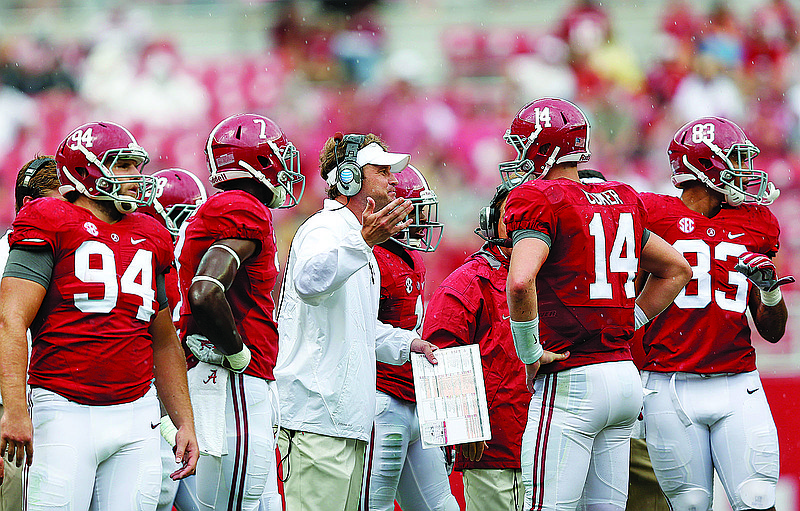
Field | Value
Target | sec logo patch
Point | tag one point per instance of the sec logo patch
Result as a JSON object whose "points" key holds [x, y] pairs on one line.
{"points": [[686, 225], [409, 285], [91, 228]]}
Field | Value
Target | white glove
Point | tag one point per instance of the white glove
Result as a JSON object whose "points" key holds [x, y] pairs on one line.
{"points": [[205, 351]]}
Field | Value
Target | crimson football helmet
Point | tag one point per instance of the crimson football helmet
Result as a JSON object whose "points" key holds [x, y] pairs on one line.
{"points": [[253, 146], [425, 232], [716, 152], [178, 193], [545, 132], [85, 159]]}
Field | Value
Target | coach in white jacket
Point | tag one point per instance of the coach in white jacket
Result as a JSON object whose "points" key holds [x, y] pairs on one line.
{"points": [[328, 323]]}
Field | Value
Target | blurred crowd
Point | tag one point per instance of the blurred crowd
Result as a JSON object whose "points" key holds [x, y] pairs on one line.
{"points": [[325, 68]]}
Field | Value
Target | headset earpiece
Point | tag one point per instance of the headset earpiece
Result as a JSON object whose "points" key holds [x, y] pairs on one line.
{"points": [[348, 171], [33, 168]]}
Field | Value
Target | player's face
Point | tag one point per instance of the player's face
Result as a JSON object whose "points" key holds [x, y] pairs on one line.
{"points": [[379, 183], [127, 167], [421, 219], [502, 233]]}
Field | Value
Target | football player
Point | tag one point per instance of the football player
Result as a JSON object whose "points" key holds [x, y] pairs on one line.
{"points": [[227, 266], [86, 275], [178, 194], [470, 307], [577, 249], [705, 407], [643, 489], [399, 468], [37, 178]]}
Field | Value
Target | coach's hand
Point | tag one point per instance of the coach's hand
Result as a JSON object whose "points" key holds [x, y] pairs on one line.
{"points": [[186, 452], [16, 436], [379, 226], [473, 451], [532, 369], [426, 348]]}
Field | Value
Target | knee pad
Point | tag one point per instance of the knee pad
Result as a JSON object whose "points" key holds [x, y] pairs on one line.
{"points": [[693, 499], [757, 494]]}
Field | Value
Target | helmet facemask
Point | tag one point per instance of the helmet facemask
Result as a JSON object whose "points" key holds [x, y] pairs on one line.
{"points": [[109, 186], [739, 182], [519, 170], [425, 231]]}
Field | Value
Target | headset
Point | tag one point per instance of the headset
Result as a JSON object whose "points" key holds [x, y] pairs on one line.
{"points": [[489, 216], [348, 172], [33, 168]]}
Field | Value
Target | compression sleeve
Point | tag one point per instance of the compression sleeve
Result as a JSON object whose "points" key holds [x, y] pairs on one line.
{"points": [[33, 265]]}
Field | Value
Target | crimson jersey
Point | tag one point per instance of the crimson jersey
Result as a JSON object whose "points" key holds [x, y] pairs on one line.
{"points": [[235, 214], [705, 330], [400, 306], [91, 342], [470, 307], [585, 288]]}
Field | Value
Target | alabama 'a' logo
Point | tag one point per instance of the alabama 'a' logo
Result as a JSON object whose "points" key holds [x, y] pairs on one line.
{"points": [[686, 225]]}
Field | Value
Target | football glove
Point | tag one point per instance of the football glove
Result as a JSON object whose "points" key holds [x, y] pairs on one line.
{"points": [[205, 351], [760, 270]]}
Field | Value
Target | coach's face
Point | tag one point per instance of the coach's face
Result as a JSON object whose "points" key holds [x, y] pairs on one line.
{"points": [[379, 182]]}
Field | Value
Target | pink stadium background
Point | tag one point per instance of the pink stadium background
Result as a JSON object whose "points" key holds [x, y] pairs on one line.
{"points": [[437, 78]]}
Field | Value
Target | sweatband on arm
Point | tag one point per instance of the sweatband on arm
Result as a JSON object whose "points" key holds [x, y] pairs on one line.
{"points": [[34, 265], [639, 317], [645, 237], [231, 251], [206, 278], [521, 234], [771, 298], [526, 340]]}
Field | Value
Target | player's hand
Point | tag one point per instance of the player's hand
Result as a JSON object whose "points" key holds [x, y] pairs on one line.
{"points": [[16, 437], [760, 270], [186, 453], [473, 451], [377, 227], [205, 351], [532, 369], [426, 348]]}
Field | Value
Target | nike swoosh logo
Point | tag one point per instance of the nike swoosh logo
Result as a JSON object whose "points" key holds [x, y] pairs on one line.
{"points": [[154, 426], [506, 317], [751, 391], [732, 236], [136, 242]]}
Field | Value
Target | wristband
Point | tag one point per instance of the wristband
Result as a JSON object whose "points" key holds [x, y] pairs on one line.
{"points": [[639, 317], [526, 340], [239, 361], [206, 278], [771, 298]]}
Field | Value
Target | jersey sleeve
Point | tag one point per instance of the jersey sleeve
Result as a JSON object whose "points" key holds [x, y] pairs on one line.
{"points": [[451, 315], [36, 225], [772, 232], [238, 215], [527, 208]]}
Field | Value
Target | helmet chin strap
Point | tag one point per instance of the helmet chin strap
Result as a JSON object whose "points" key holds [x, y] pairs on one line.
{"points": [[278, 192]]}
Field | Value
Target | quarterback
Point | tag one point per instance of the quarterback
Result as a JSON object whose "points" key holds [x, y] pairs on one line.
{"points": [[577, 249]]}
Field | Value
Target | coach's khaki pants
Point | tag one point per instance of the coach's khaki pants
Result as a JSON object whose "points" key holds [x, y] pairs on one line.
{"points": [[321, 472], [643, 489], [11, 488], [498, 489]]}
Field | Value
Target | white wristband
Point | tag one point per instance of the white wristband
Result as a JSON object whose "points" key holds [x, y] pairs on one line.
{"points": [[239, 361], [771, 298], [526, 340], [639, 317]]}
